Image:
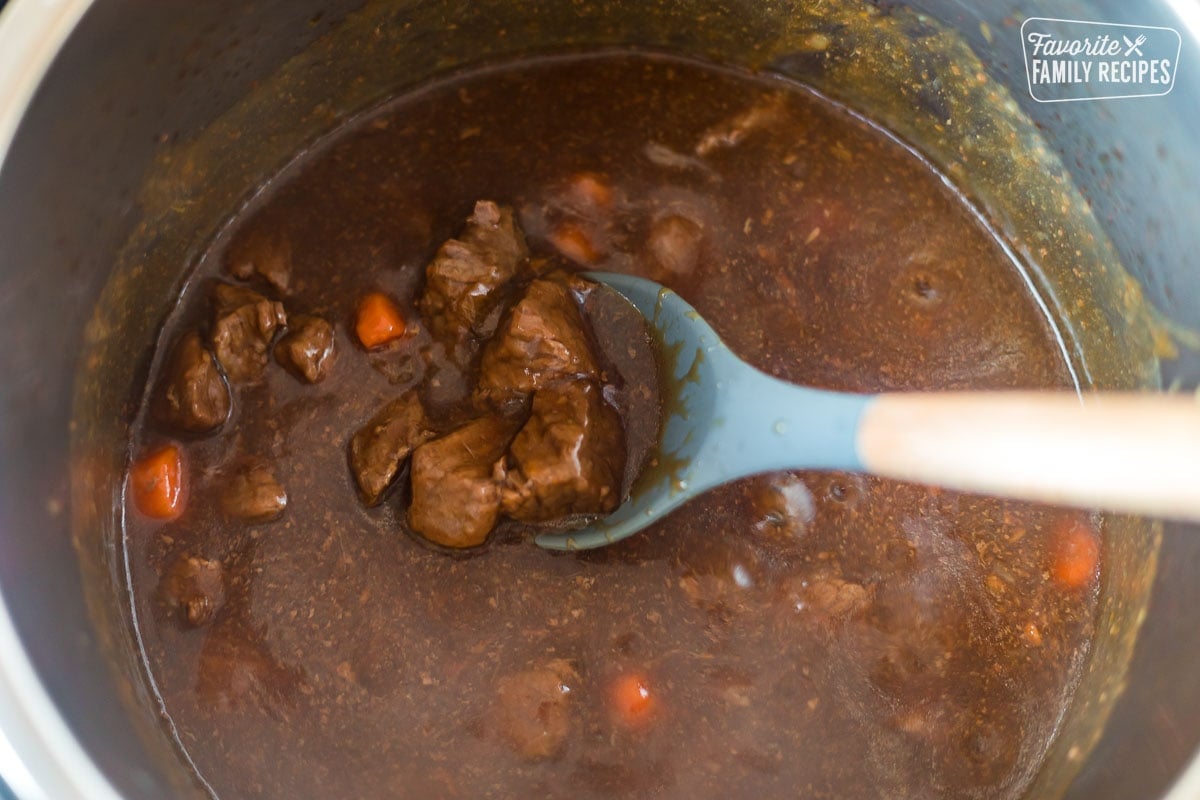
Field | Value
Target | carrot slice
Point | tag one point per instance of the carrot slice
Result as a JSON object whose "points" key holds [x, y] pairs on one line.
{"points": [[633, 701], [590, 189], [157, 483], [1075, 555], [379, 321], [575, 243]]}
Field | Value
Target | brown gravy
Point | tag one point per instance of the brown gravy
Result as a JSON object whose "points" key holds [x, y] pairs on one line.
{"points": [[811, 635]]}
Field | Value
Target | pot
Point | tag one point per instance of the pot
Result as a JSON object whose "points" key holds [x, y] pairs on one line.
{"points": [[128, 130]]}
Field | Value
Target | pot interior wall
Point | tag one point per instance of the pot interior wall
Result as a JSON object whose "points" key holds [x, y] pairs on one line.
{"points": [[168, 144]]}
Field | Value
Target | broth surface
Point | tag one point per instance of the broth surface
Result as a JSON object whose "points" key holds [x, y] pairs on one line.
{"points": [[795, 634]]}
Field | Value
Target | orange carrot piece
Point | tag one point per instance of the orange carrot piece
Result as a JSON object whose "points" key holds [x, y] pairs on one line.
{"points": [[1075, 553], [633, 701], [157, 483], [574, 242], [379, 321], [590, 189]]}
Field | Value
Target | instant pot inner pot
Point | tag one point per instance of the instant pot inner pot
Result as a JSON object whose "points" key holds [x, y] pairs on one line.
{"points": [[177, 116], [991, 150]]}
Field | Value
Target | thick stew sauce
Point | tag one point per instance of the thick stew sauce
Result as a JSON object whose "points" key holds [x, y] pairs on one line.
{"points": [[389, 373]]}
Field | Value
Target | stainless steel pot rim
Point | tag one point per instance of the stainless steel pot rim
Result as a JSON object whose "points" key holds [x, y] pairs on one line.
{"points": [[32, 32]]}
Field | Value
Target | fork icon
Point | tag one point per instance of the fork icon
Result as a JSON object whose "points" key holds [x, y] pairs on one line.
{"points": [[1134, 46]]}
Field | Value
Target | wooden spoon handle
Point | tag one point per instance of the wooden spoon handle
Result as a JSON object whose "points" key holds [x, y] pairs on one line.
{"points": [[1136, 453]]}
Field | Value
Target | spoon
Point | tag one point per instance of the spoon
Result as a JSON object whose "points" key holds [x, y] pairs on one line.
{"points": [[724, 419]]}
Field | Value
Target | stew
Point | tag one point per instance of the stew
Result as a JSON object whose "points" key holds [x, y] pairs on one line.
{"points": [[389, 348]]}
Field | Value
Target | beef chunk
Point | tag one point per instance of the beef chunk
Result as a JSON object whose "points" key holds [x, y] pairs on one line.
{"points": [[306, 350], [541, 342], [464, 282], [192, 396], [261, 252], [568, 459], [731, 132], [244, 323], [380, 447], [456, 483], [236, 671], [838, 599], [675, 244], [533, 712], [628, 350], [825, 598], [253, 494], [195, 588]]}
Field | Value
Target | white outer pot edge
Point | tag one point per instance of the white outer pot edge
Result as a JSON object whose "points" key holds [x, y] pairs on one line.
{"points": [[55, 764]]}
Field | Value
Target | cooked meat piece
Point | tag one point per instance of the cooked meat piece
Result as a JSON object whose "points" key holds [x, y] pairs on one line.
{"points": [[464, 283], [541, 342], [236, 670], [253, 494], [838, 599], [826, 598], [568, 459], [627, 348], [244, 322], [306, 350], [533, 710], [192, 396], [380, 447], [265, 253], [674, 243], [195, 587], [664, 156], [733, 131], [456, 483]]}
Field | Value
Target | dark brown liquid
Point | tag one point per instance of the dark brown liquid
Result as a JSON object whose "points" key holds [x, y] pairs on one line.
{"points": [[811, 635]]}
